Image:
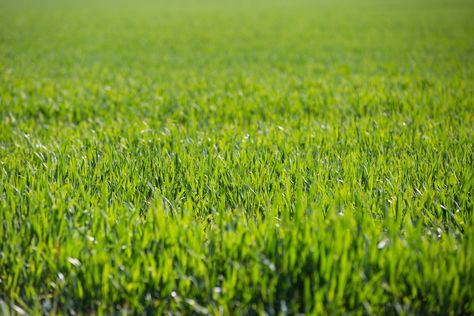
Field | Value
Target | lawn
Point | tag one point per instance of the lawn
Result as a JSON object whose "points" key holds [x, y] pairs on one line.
{"points": [[251, 157]]}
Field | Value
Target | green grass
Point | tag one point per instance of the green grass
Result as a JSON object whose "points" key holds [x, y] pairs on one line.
{"points": [[237, 158]]}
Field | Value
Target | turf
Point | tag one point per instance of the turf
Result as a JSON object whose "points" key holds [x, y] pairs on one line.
{"points": [[255, 157]]}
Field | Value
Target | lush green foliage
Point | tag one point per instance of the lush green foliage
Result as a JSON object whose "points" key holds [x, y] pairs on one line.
{"points": [[214, 157]]}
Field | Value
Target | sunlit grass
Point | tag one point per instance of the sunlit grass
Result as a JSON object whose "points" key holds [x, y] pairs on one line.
{"points": [[312, 157]]}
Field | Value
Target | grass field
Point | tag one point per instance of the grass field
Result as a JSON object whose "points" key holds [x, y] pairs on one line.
{"points": [[259, 157]]}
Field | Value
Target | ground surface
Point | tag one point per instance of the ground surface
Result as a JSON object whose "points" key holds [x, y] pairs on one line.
{"points": [[214, 157]]}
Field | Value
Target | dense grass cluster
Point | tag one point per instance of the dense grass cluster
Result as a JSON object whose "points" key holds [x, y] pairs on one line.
{"points": [[237, 158]]}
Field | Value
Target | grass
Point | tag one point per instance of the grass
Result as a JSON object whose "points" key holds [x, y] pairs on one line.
{"points": [[237, 158]]}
